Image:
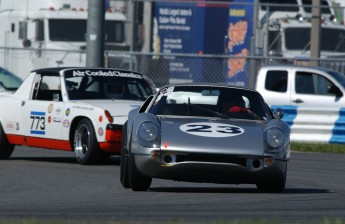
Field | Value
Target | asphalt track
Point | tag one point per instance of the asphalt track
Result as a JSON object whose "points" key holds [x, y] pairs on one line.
{"points": [[49, 185]]}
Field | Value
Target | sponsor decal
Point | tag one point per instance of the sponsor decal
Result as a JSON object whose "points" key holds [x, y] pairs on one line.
{"points": [[50, 108], [38, 122], [106, 73], [82, 107], [57, 119], [68, 111], [211, 130], [58, 110], [100, 131], [12, 125], [66, 123]]}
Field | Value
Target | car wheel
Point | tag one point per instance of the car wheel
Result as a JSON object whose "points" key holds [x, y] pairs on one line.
{"points": [[137, 181], [6, 148], [124, 178], [85, 145], [274, 186], [124, 175]]}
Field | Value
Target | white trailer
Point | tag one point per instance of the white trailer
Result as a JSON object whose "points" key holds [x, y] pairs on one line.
{"points": [[290, 39], [50, 33]]}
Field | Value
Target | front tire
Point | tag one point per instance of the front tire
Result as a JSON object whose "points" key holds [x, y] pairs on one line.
{"points": [[6, 148], [274, 186], [137, 181], [85, 145]]}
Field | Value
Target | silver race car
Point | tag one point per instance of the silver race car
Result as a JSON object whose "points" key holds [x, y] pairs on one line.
{"points": [[205, 133]]}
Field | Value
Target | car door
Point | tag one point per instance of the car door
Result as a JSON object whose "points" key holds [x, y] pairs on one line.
{"points": [[277, 87], [43, 113], [311, 90]]}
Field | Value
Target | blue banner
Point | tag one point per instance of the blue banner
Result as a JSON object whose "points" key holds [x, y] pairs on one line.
{"points": [[240, 27], [184, 27]]}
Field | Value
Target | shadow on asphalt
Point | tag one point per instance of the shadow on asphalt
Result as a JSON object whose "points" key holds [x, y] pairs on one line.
{"points": [[235, 190], [69, 160]]}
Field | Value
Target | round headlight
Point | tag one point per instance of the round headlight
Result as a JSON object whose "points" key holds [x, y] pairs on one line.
{"points": [[275, 137], [147, 133]]}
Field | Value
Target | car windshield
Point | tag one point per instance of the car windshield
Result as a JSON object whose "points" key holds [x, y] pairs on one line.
{"points": [[9, 81], [332, 40], [339, 77], [61, 29], [210, 101], [131, 87]]}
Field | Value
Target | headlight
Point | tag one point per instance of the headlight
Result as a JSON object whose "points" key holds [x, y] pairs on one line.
{"points": [[148, 134], [274, 137]]}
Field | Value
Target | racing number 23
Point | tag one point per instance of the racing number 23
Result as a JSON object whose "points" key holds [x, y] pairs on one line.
{"points": [[37, 122], [208, 129]]}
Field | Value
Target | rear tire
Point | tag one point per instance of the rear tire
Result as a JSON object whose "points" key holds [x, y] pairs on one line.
{"points": [[124, 176], [6, 148], [137, 181], [85, 145]]}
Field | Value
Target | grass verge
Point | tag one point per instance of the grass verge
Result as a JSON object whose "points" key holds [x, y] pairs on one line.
{"points": [[317, 147]]}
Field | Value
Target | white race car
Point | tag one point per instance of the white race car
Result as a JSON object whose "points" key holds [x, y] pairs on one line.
{"points": [[73, 109]]}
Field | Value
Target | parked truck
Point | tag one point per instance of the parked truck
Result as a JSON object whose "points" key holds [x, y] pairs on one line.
{"points": [[289, 85], [312, 98], [50, 33]]}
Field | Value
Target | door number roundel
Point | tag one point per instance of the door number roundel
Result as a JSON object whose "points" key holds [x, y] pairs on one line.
{"points": [[213, 130]]}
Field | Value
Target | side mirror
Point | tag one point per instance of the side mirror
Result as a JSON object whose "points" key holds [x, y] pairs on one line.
{"points": [[26, 43], [278, 114], [335, 90]]}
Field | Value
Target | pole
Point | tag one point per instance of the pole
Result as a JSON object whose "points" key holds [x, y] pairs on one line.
{"points": [[315, 33], [95, 33]]}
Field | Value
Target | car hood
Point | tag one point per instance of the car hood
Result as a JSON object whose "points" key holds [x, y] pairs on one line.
{"points": [[237, 137], [118, 108]]}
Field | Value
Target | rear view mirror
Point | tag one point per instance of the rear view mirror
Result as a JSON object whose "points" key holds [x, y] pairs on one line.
{"points": [[335, 90], [278, 114]]}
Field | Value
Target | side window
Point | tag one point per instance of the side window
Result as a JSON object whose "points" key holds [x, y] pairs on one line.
{"points": [[276, 81], [310, 83], [47, 88]]}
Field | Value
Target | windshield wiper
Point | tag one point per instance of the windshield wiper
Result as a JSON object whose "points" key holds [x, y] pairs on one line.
{"points": [[339, 44], [306, 46], [223, 116]]}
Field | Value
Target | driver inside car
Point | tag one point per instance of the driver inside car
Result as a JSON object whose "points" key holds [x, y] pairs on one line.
{"points": [[234, 104]]}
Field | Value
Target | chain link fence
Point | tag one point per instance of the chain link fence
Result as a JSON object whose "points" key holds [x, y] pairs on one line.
{"points": [[186, 41]]}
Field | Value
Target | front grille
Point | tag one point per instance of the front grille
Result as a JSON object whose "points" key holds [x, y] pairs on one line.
{"points": [[213, 158]]}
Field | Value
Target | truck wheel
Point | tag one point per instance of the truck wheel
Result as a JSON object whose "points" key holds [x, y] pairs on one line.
{"points": [[85, 145], [137, 181], [6, 148], [124, 179], [273, 187]]}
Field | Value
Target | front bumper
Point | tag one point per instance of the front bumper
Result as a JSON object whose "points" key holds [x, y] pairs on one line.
{"points": [[226, 169], [113, 139]]}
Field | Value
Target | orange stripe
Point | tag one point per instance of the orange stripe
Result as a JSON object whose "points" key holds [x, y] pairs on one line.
{"points": [[110, 146], [114, 147], [113, 135], [40, 142]]}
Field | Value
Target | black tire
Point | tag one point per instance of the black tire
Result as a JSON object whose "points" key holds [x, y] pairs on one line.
{"points": [[137, 181], [124, 176], [85, 145], [6, 148], [275, 186]]}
